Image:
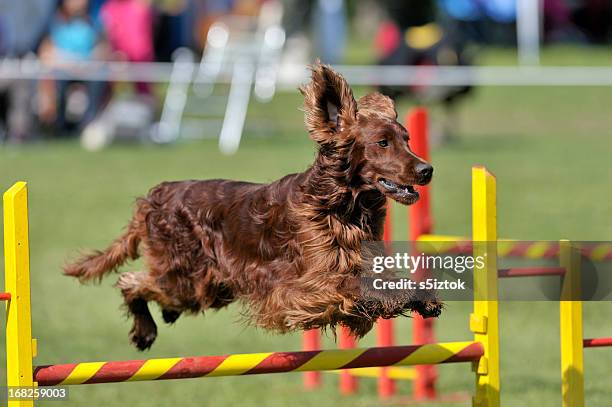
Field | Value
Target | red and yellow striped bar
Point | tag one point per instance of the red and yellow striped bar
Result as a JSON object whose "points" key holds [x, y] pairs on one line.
{"points": [[599, 252], [255, 363]]}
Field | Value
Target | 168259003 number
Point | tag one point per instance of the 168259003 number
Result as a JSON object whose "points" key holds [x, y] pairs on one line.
{"points": [[36, 393]]}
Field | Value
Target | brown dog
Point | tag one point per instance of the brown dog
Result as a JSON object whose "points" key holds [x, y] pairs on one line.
{"points": [[289, 250]]}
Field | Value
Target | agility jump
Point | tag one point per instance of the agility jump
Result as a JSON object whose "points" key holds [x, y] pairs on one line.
{"points": [[483, 351]]}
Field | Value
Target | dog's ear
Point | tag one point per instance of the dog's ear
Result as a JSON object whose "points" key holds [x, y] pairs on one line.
{"points": [[377, 103], [329, 104]]}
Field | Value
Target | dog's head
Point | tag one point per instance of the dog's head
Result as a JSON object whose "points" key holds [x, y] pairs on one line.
{"points": [[365, 134]]}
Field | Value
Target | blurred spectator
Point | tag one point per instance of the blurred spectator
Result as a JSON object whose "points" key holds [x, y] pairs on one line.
{"points": [[296, 17], [479, 21], [464, 10], [72, 37], [413, 36], [326, 19], [94, 11], [501, 11], [501, 21], [330, 30], [594, 18], [208, 11], [23, 23], [129, 28], [72, 33], [577, 21], [173, 28], [557, 24], [464, 20]]}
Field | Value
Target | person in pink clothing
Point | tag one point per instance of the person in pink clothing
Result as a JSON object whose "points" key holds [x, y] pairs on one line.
{"points": [[129, 29]]}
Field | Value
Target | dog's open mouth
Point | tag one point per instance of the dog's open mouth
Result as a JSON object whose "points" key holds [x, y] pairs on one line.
{"points": [[402, 193]]}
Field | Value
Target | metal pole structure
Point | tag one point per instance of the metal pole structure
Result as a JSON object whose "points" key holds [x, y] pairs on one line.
{"points": [[266, 75], [528, 31], [384, 327], [570, 310], [169, 127], [291, 75], [20, 347], [421, 223], [237, 106], [212, 59], [484, 322]]}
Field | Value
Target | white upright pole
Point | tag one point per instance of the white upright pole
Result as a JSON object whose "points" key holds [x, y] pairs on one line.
{"points": [[528, 31]]}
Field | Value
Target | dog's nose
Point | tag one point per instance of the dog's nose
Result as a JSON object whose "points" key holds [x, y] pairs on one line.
{"points": [[424, 172]]}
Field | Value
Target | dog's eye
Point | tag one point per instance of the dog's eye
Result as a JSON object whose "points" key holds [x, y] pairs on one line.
{"points": [[383, 143]]}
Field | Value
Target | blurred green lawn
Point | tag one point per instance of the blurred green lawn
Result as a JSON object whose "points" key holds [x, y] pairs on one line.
{"points": [[550, 149]]}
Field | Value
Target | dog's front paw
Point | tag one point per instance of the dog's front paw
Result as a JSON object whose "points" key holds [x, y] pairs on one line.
{"points": [[428, 309]]}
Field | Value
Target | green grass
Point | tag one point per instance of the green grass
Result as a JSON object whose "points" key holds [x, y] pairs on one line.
{"points": [[550, 149]]}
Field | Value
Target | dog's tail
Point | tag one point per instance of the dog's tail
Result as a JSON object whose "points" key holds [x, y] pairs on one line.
{"points": [[96, 265]]}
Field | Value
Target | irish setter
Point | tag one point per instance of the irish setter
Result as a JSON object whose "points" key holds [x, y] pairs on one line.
{"points": [[290, 250]]}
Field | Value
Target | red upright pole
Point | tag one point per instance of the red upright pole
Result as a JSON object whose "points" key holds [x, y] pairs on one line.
{"points": [[417, 123], [384, 327], [388, 227], [348, 382], [312, 341], [421, 223]]}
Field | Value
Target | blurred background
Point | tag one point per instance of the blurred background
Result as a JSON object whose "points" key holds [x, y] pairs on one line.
{"points": [[102, 99], [187, 69]]}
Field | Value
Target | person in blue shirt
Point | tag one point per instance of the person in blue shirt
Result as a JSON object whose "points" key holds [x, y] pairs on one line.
{"points": [[73, 37]]}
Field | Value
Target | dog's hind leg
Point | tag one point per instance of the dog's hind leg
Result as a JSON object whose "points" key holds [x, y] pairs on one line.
{"points": [[170, 316], [138, 289]]}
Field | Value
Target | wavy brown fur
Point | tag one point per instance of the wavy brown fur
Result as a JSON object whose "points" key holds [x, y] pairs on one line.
{"points": [[289, 250]]}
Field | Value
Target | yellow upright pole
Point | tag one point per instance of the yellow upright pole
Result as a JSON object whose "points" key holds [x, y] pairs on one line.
{"points": [[572, 366], [20, 346], [484, 322]]}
